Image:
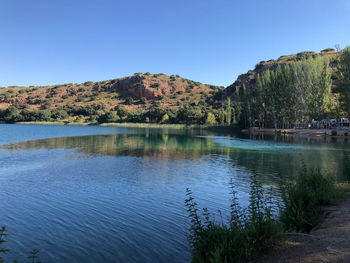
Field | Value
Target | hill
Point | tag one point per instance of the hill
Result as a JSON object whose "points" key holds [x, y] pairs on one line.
{"points": [[139, 91], [288, 92], [87, 102]]}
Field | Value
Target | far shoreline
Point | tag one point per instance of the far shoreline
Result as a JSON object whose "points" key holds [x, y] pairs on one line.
{"points": [[232, 128], [299, 132], [226, 128]]}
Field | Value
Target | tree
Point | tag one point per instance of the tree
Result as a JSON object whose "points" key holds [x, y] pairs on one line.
{"points": [[190, 115], [291, 93], [12, 114], [122, 112], [343, 84], [210, 119], [109, 117], [165, 118], [228, 111]]}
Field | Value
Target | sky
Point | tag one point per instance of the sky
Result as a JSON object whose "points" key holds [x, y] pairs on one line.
{"points": [[212, 41]]}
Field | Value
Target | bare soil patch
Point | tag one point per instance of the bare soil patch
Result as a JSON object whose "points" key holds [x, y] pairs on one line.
{"points": [[328, 242]]}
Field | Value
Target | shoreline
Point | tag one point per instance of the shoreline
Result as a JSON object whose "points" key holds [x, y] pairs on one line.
{"points": [[136, 125], [299, 132], [342, 133]]}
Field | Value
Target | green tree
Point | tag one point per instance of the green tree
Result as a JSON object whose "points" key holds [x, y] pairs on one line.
{"points": [[343, 84], [210, 119], [228, 111], [165, 118]]}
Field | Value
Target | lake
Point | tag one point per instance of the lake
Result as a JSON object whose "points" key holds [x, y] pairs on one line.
{"points": [[116, 194]]}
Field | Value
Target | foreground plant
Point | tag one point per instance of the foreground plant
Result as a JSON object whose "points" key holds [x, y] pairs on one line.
{"points": [[244, 237], [303, 196], [33, 255], [3, 235]]}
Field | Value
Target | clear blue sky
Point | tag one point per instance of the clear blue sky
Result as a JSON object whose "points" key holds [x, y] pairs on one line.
{"points": [[211, 41]]}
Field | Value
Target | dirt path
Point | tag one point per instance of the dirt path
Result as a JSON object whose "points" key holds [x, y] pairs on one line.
{"points": [[329, 242]]}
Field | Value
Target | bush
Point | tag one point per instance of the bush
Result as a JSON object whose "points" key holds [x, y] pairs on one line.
{"points": [[59, 114], [21, 91], [122, 112], [346, 168], [260, 65], [303, 196], [128, 101], [243, 238], [327, 50], [143, 100], [305, 55], [155, 85], [88, 83]]}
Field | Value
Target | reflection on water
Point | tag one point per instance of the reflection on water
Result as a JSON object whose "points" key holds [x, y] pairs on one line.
{"points": [[160, 146], [282, 156], [120, 197]]}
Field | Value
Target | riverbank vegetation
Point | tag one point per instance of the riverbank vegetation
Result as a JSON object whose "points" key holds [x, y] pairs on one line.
{"points": [[246, 236], [303, 197], [97, 113], [295, 91], [250, 234], [290, 94]]}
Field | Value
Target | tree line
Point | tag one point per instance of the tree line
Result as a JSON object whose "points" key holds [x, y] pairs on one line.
{"points": [[288, 95], [296, 93], [97, 113]]}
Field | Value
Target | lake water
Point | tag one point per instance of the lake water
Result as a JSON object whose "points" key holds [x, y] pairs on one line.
{"points": [[111, 194]]}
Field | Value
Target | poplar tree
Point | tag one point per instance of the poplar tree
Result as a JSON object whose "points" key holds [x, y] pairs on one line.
{"points": [[228, 111], [343, 85]]}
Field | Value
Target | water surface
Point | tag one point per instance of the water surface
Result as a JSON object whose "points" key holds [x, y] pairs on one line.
{"points": [[108, 194]]}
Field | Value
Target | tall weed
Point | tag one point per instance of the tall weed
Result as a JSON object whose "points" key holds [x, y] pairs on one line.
{"points": [[244, 237]]}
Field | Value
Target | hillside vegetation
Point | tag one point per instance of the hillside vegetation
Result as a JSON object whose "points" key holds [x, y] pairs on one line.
{"points": [[138, 98], [284, 93], [292, 90]]}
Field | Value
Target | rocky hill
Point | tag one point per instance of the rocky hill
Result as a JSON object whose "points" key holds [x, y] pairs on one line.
{"points": [[139, 91]]}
